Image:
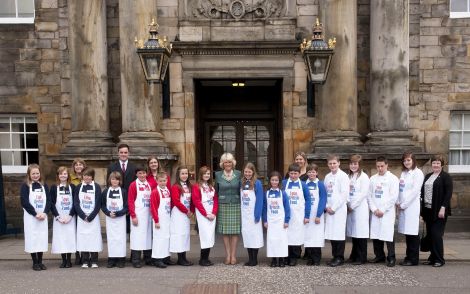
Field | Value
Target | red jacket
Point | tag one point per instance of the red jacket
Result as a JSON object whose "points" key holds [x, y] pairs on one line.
{"points": [[175, 200], [155, 203], [131, 196], [197, 200]]}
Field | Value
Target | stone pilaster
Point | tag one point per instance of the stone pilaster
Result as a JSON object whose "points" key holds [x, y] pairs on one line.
{"points": [[89, 81], [389, 77], [338, 105], [141, 102]]}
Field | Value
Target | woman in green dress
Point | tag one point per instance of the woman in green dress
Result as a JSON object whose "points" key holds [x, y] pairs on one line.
{"points": [[228, 217]]}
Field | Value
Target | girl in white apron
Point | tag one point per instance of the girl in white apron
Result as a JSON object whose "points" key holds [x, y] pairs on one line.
{"points": [[160, 208], [181, 214], [276, 216], [315, 229], [64, 227], [383, 195], [411, 181], [251, 200], [300, 206], [206, 203], [36, 203], [337, 191], [357, 223], [139, 211], [87, 204], [114, 206]]}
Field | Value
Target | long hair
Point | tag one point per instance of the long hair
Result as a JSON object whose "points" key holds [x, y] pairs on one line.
{"points": [[78, 160], [60, 170], [253, 179], [178, 179], [278, 175], [355, 158], [32, 166], [159, 168], [202, 170], [114, 175], [408, 154]]}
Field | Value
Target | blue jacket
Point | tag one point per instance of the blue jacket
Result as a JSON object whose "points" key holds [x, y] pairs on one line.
{"points": [[322, 195], [258, 187], [308, 200], [285, 201]]}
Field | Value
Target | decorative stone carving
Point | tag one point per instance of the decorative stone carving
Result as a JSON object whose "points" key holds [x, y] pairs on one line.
{"points": [[237, 9]]}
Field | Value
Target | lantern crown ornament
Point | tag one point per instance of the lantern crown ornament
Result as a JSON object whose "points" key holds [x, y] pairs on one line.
{"points": [[317, 54], [154, 54]]}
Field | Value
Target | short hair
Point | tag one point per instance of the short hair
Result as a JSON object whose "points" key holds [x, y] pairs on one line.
{"points": [[381, 159], [227, 156], [278, 175], [332, 157], [60, 170], [78, 160], [408, 154], [162, 175], [294, 167], [438, 157], [202, 171], [89, 172], [123, 145], [28, 172], [312, 166], [140, 168], [115, 175]]}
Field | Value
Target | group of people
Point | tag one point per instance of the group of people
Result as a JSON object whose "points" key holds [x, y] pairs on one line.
{"points": [[296, 210]]}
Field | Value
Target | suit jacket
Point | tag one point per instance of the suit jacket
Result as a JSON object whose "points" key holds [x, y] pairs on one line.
{"points": [[127, 178], [441, 194]]}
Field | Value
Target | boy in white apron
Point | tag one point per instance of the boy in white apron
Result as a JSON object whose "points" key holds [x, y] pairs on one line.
{"points": [[87, 204], [383, 194], [36, 203], [315, 229], [114, 206], [141, 219], [206, 203], [337, 191], [64, 227], [181, 213], [252, 198], [276, 216], [300, 206], [160, 208]]}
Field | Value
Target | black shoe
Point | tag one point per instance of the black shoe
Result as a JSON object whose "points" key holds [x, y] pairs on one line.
{"points": [[377, 260], [282, 262], [168, 261], [205, 262], [42, 267], [285, 260], [149, 262], [292, 261], [78, 259], [111, 264], [336, 262], [391, 262], [137, 264], [407, 263], [159, 263], [438, 264], [310, 262], [68, 264], [121, 263], [184, 262], [63, 264], [428, 262], [36, 267], [273, 262], [358, 262]]}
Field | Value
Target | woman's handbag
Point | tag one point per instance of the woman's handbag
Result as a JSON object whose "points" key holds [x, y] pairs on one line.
{"points": [[425, 244]]}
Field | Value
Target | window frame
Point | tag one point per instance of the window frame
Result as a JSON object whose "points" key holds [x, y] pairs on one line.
{"points": [[17, 19], [14, 169], [459, 168]]}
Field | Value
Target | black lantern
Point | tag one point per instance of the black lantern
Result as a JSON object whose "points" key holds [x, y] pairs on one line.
{"points": [[154, 55], [317, 55]]}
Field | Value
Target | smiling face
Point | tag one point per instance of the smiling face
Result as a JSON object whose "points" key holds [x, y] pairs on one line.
{"points": [[312, 174], [228, 165], [382, 167], [78, 168], [247, 173], [162, 182], [300, 160], [63, 176], [87, 179], [115, 182], [354, 166], [184, 175], [206, 176], [153, 165], [436, 166], [408, 163], [35, 175], [274, 181], [142, 175], [123, 154], [333, 165]]}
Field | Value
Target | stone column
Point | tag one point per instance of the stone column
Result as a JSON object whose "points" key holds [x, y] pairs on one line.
{"points": [[389, 75], [338, 104], [141, 102], [88, 74]]}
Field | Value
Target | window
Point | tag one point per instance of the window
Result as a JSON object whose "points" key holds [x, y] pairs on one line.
{"points": [[18, 142], [17, 11], [459, 8], [459, 142]]}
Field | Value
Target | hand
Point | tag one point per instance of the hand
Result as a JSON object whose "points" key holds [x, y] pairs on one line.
{"points": [[189, 214], [286, 226], [135, 221], [157, 225], [86, 219], [442, 212], [266, 225], [210, 217], [317, 220], [38, 216], [112, 214], [349, 209], [67, 219], [378, 213], [306, 221], [330, 211]]}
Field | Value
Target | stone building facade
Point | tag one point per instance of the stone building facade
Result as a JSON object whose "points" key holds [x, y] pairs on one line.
{"points": [[400, 72]]}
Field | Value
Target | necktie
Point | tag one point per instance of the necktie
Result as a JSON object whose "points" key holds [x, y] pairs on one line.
{"points": [[293, 184], [123, 167]]}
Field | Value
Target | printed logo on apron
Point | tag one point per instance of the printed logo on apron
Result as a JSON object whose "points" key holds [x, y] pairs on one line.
{"points": [[245, 198], [274, 203], [312, 189], [379, 190], [329, 188], [352, 188], [402, 185], [209, 194], [145, 195], [166, 194], [114, 202], [186, 197], [39, 199], [293, 197], [65, 202]]}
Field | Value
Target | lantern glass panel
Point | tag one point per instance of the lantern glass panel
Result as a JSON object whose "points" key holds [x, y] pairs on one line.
{"points": [[317, 67], [152, 66]]}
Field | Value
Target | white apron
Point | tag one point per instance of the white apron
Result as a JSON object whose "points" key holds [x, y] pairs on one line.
{"points": [[116, 227], [64, 235], [357, 224], [206, 227], [88, 234], [314, 233], [296, 229], [36, 231], [383, 196], [252, 232], [141, 235], [410, 191], [337, 189], [276, 237], [161, 236], [180, 225]]}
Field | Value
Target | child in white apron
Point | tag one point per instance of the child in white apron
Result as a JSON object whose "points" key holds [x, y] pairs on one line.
{"points": [[206, 203], [315, 229], [276, 216], [36, 203], [64, 227], [87, 204], [114, 206], [251, 200], [300, 206], [139, 211], [160, 208], [181, 214]]}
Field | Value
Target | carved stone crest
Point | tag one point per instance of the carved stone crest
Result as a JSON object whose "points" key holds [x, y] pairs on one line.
{"points": [[237, 9]]}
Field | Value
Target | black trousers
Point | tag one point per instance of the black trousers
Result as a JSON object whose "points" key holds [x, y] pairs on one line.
{"points": [[412, 248], [379, 249], [359, 249], [337, 249], [90, 257], [435, 228], [295, 251], [314, 253]]}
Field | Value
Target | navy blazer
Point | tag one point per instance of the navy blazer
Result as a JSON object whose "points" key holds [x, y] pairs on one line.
{"points": [[441, 194], [127, 178]]}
